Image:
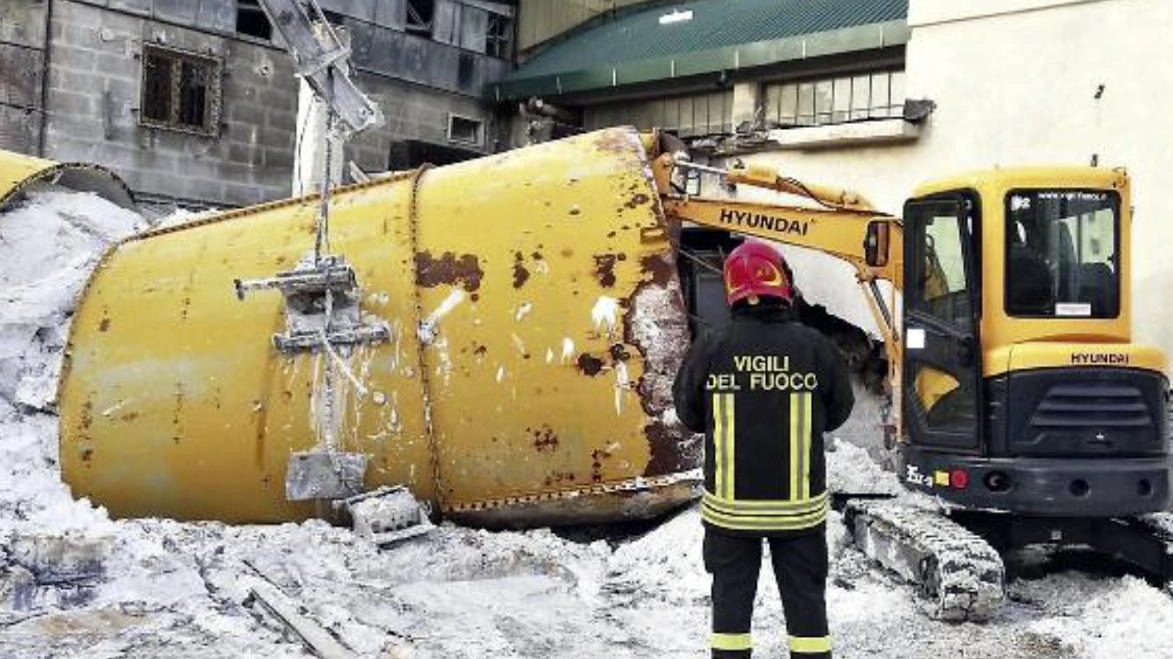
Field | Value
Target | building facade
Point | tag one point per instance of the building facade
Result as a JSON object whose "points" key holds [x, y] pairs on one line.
{"points": [[990, 84], [194, 103]]}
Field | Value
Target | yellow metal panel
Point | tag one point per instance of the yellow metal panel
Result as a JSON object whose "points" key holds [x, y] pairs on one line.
{"points": [[535, 372], [175, 403], [18, 172], [16, 167], [556, 324], [1025, 356]]}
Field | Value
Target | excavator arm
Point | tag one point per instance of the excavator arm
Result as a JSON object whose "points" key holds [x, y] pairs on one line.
{"points": [[843, 224]]}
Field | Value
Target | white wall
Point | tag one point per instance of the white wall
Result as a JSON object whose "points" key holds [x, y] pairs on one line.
{"points": [[1015, 84]]}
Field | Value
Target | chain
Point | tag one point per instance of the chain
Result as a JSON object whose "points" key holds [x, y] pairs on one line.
{"points": [[425, 383]]}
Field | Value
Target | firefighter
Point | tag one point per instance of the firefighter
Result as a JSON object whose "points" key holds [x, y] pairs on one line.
{"points": [[763, 390]]}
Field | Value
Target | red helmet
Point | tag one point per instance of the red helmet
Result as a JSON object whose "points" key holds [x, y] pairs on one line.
{"points": [[754, 270]]}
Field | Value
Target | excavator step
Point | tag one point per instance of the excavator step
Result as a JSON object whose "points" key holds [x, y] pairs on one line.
{"points": [[959, 574]]}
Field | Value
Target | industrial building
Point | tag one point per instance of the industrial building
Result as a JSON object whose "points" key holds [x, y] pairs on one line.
{"points": [[194, 104], [819, 89]]}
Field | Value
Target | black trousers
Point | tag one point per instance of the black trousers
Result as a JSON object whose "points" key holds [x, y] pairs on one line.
{"points": [[800, 566]]}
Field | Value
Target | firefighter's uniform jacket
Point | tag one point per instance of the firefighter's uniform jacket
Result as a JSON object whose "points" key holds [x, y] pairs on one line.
{"points": [[764, 389]]}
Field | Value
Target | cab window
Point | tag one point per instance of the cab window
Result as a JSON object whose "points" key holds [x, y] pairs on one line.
{"points": [[1062, 254]]}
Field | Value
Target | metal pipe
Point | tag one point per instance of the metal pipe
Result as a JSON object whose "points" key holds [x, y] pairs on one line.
{"points": [[44, 128]]}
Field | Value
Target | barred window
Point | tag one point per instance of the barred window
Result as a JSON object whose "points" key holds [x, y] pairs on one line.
{"points": [[180, 91], [499, 37], [875, 95], [420, 15]]}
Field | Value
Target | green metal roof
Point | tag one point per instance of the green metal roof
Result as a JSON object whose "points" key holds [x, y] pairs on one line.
{"points": [[722, 35]]}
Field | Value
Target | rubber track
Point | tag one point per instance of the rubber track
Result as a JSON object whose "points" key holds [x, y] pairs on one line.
{"points": [[960, 575]]}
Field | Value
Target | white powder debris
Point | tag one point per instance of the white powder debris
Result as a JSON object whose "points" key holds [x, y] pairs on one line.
{"points": [[605, 313], [549, 356], [427, 330], [154, 585], [522, 311], [621, 385]]}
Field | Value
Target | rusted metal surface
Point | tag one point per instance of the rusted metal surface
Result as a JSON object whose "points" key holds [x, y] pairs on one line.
{"points": [[536, 325]]}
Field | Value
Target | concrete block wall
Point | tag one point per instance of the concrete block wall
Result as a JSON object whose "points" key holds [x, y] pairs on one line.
{"points": [[417, 113], [94, 101], [22, 41]]}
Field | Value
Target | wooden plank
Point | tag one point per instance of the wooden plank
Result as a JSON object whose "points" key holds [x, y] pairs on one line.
{"points": [[316, 638]]}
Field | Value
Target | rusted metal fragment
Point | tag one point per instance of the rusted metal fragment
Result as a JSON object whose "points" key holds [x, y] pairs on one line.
{"points": [[637, 502], [448, 269], [656, 325], [560, 478], [605, 268], [520, 273], [658, 269], [619, 353], [674, 447], [614, 142], [545, 440], [637, 200], [589, 364]]}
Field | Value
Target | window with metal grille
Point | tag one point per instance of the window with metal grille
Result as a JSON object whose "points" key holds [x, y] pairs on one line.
{"points": [[464, 130], [499, 37], [820, 101], [693, 115], [180, 91], [420, 15]]}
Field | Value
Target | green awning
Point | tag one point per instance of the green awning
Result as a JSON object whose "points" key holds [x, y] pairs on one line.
{"points": [[721, 35]]}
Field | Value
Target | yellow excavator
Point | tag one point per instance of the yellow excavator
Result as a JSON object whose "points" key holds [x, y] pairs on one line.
{"points": [[502, 335], [1023, 403]]}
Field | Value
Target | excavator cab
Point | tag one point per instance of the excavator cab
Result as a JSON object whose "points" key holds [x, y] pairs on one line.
{"points": [[1023, 391]]}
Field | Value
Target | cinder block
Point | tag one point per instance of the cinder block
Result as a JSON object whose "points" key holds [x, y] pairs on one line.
{"points": [[243, 194], [120, 65], [182, 12], [140, 7], [70, 103], [20, 75], [203, 189], [281, 159], [158, 182], [19, 130], [277, 138], [219, 15], [23, 22], [282, 119], [122, 90], [277, 97], [244, 153], [79, 59], [244, 112]]}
